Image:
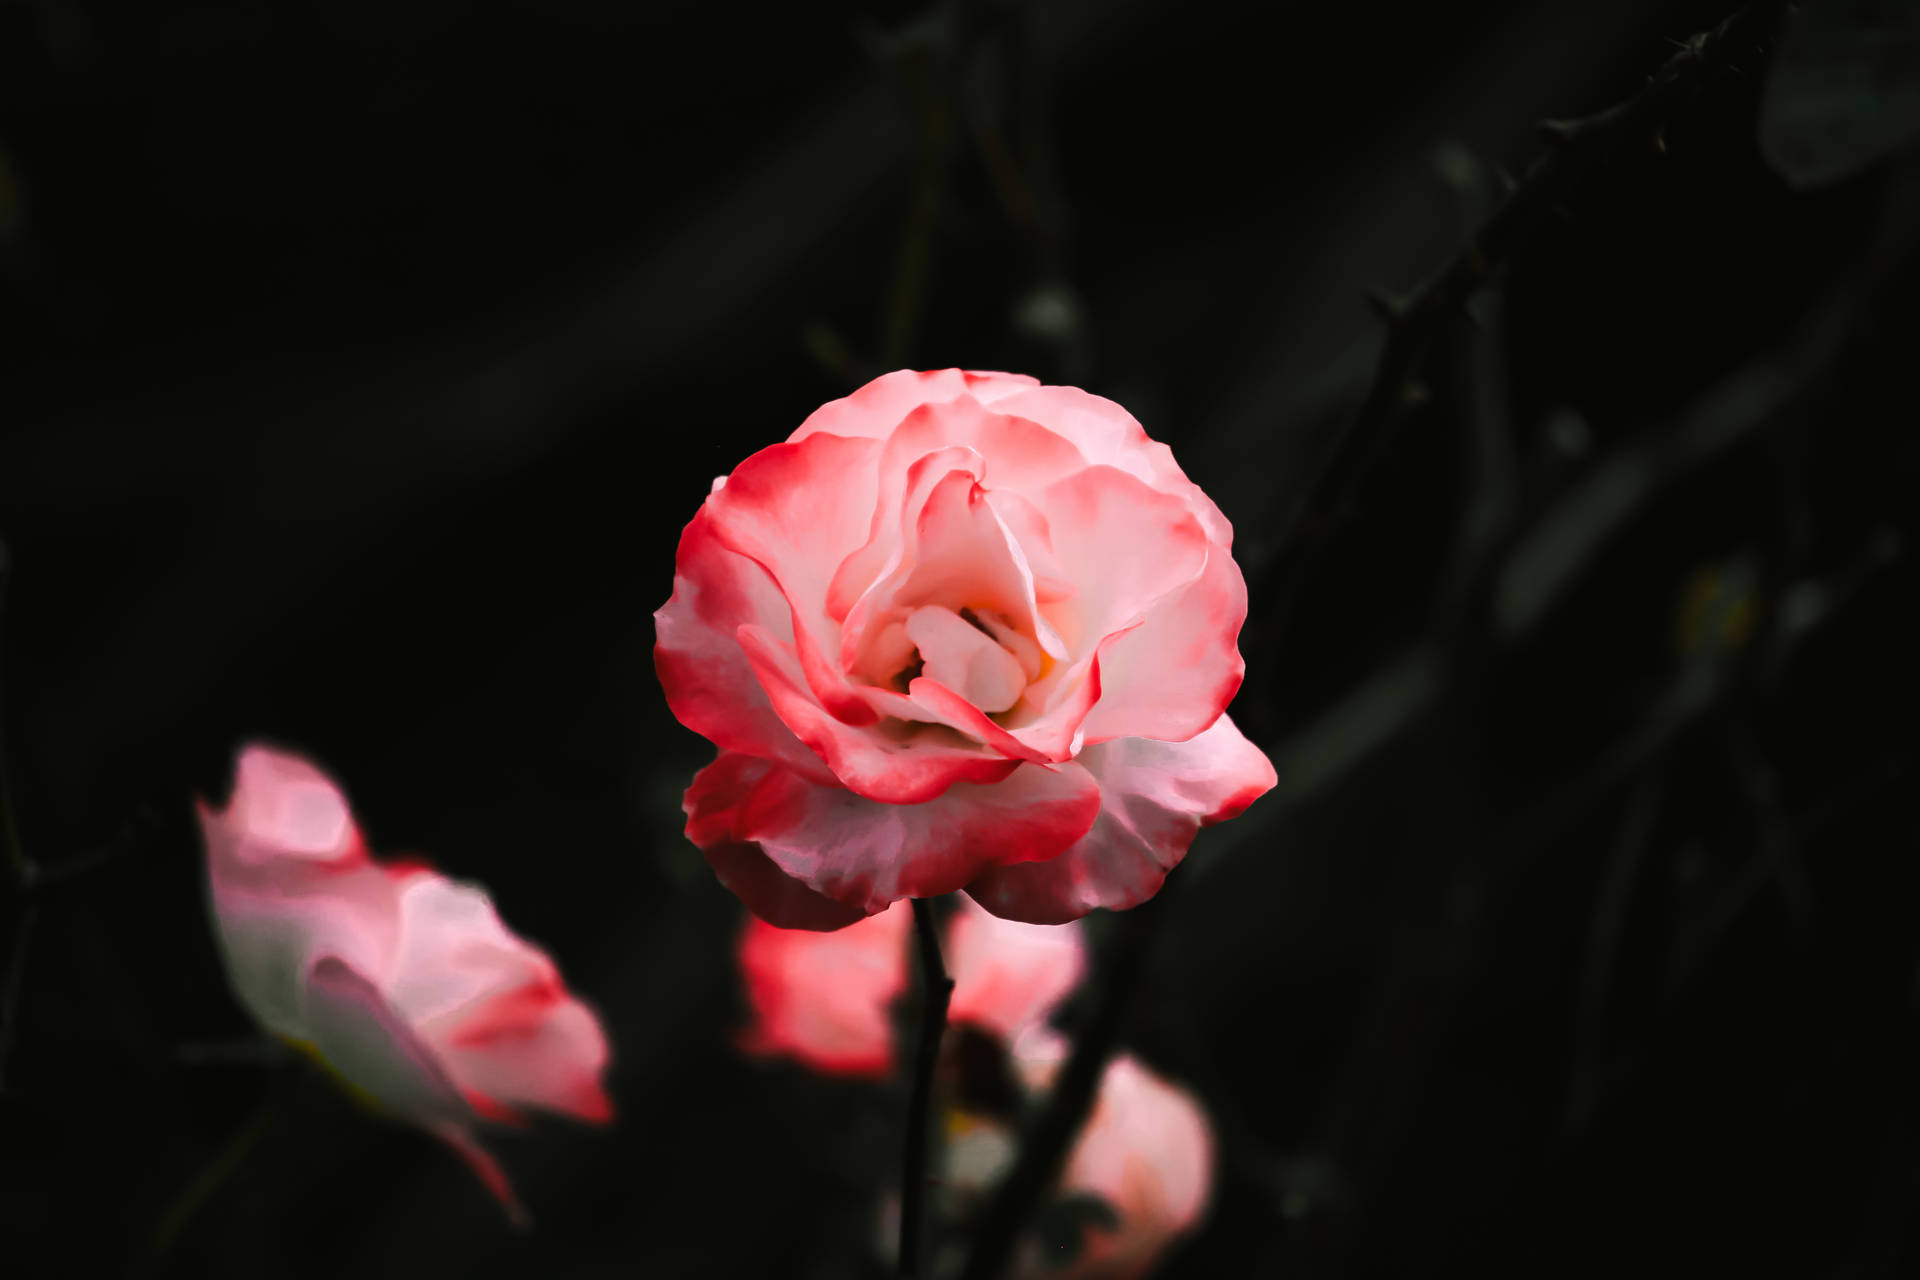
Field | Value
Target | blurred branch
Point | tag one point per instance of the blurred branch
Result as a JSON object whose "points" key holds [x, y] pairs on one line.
{"points": [[26, 880], [187, 1203], [20, 909], [1413, 321], [1603, 940], [1043, 1142], [19, 870], [936, 990], [25, 917]]}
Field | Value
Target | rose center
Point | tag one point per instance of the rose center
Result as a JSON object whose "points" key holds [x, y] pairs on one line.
{"points": [[976, 653]]}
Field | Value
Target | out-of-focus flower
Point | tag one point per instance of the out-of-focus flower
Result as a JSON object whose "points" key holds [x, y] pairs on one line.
{"points": [[1009, 976], [402, 982], [960, 630], [1146, 1150], [1138, 1177], [825, 999]]}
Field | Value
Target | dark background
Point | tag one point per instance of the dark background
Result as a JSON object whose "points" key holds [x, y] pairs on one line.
{"points": [[361, 363]]}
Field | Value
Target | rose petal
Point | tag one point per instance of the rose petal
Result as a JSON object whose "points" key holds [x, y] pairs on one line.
{"points": [[284, 808], [826, 999], [1174, 674], [270, 935], [1008, 975], [1034, 535], [289, 881], [485, 1168], [1123, 545], [878, 407], [351, 1025], [714, 805], [953, 550], [708, 681], [797, 510], [493, 1006], [1108, 434], [1132, 551], [966, 658], [907, 769], [1020, 457], [1148, 1151], [868, 855], [1154, 798]]}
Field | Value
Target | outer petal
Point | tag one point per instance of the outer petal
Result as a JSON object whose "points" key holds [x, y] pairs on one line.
{"points": [[493, 1006], [1174, 674], [1108, 434], [1148, 1151], [878, 407], [1007, 975], [797, 510], [707, 678], [272, 935], [715, 805], [358, 1034], [1154, 798], [867, 855], [826, 998], [289, 881], [286, 815]]}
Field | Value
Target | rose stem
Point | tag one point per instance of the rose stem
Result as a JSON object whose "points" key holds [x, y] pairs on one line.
{"points": [[1044, 1143], [937, 990]]}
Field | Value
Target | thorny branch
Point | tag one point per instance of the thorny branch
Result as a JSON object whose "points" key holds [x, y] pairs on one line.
{"points": [[1414, 321]]}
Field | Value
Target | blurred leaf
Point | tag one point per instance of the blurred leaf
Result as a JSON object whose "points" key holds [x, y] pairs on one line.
{"points": [[1844, 91]]}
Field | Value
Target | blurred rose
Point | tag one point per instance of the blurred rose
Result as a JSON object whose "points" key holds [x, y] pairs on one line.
{"points": [[1146, 1150], [960, 630], [826, 999], [402, 982], [1145, 1155]]}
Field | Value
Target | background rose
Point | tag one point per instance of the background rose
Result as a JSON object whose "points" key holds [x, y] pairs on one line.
{"points": [[402, 982], [826, 999], [1146, 1150], [1145, 1154], [960, 630]]}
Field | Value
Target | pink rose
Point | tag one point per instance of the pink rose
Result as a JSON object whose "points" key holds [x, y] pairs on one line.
{"points": [[404, 983], [826, 999], [1147, 1150], [960, 630]]}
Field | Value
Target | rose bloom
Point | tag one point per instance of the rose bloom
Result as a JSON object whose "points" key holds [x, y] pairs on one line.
{"points": [[825, 999], [1146, 1152], [403, 983], [960, 630]]}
